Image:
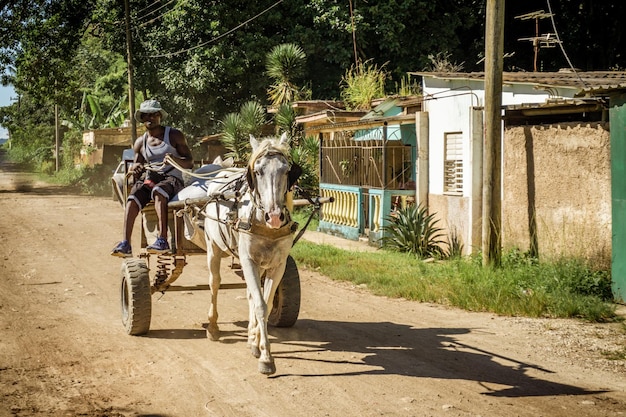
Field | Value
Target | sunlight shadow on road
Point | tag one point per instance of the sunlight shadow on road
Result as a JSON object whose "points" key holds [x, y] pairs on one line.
{"points": [[180, 334], [400, 349]]}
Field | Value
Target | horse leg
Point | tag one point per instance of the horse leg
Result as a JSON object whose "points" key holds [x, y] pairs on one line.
{"points": [[253, 334], [214, 257], [272, 281], [258, 339]]}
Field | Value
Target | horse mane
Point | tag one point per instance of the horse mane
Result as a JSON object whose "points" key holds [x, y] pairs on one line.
{"points": [[267, 145]]}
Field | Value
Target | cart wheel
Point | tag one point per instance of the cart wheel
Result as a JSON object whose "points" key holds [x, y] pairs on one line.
{"points": [[135, 297], [286, 305]]}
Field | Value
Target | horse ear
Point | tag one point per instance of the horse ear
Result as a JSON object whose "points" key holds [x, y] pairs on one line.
{"points": [[294, 174], [254, 143], [228, 162], [284, 139]]}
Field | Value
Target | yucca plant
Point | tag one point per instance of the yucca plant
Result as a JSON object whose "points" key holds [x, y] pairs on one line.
{"points": [[284, 64], [415, 231], [252, 115], [307, 160], [285, 120], [237, 128], [312, 145], [234, 138]]}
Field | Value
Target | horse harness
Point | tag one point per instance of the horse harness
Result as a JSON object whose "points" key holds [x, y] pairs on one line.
{"points": [[233, 223]]}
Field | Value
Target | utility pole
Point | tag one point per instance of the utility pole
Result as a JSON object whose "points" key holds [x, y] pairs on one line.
{"points": [[492, 165], [131, 86], [356, 58], [57, 135], [57, 130]]}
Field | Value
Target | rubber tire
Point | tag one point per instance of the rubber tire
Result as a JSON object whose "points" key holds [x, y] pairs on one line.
{"points": [[136, 297], [286, 306]]}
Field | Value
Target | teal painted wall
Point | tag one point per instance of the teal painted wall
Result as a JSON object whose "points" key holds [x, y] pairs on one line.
{"points": [[617, 114]]}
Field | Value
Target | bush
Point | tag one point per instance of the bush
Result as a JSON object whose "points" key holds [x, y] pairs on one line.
{"points": [[95, 180], [361, 84], [566, 275]]}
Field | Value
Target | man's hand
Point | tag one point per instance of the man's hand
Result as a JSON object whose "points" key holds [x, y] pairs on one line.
{"points": [[136, 170]]}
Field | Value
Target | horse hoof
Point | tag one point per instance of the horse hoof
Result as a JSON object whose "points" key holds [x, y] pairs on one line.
{"points": [[213, 333], [256, 352], [267, 368]]}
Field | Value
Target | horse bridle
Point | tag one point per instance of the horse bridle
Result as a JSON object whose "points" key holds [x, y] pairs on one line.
{"points": [[248, 225], [251, 179]]}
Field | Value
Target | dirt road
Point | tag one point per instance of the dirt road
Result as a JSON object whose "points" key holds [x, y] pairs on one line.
{"points": [[64, 352]]}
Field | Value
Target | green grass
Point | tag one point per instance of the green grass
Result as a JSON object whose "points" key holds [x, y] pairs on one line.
{"points": [[301, 216], [520, 288]]}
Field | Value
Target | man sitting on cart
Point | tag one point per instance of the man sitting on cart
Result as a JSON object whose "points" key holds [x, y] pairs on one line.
{"points": [[161, 181]]}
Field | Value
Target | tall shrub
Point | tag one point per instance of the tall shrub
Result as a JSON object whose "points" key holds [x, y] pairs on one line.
{"points": [[362, 83]]}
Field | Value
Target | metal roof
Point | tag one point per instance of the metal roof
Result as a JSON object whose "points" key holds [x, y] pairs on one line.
{"points": [[597, 82], [558, 106], [363, 123]]}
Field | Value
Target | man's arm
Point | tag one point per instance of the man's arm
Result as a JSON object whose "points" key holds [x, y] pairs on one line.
{"points": [[137, 167], [177, 140]]}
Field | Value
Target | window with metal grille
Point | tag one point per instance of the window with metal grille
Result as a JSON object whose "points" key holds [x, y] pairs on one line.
{"points": [[453, 164]]}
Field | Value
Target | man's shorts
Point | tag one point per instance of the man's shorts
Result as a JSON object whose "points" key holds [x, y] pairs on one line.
{"points": [[142, 193]]}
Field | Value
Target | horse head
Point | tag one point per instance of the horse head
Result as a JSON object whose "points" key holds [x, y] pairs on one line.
{"points": [[270, 176]]}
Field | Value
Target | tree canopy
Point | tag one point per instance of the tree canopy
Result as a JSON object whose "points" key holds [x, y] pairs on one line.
{"points": [[203, 60]]}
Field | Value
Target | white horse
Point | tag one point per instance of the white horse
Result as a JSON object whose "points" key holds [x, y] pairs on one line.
{"points": [[256, 227]]}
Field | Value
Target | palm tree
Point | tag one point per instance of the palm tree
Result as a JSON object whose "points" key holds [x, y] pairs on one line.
{"points": [[285, 64]]}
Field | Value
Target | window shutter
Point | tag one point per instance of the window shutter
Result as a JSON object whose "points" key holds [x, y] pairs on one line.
{"points": [[453, 164]]}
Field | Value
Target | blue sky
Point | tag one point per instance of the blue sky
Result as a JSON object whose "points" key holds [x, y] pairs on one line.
{"points": [[6, 93]]}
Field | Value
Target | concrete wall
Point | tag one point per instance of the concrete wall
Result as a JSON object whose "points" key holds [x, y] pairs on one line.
{"points": [[557, 190], [452, 212], [458, 214], [104, 146]]}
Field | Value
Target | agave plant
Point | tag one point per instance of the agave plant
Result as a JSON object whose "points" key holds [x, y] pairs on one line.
{"points": [[455, 245], [415, 231]]}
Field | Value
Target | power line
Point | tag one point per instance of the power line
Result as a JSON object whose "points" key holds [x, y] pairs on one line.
{"points": [[154, 19], [170, 54], [154, 11], [561, 45], [148, 6], [148, 14]]}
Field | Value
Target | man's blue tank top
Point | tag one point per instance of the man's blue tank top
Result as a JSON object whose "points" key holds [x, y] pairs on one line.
{"points": [[156, 154]]}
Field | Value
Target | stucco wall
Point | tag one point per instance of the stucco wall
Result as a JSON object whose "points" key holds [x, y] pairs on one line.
{"points": [[452, 214], [557, 190]]}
